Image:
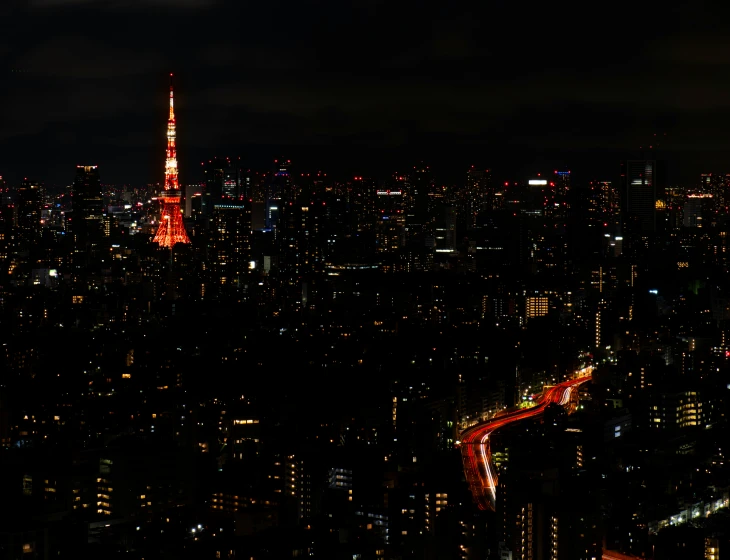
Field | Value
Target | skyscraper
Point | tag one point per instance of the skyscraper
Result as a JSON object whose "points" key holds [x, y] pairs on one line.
{"points": [[279, 191], [86, 223], [7, 232], [419, 219], [223, 182], [419, 187], [29, 205], [445, 231], [562, 196], [87, 199], [638, 179], [390, 219], [479, 196], [229, 244]]}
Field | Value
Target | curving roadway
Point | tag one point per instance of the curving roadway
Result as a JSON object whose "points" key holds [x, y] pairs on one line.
{"points": [[475, 445]]}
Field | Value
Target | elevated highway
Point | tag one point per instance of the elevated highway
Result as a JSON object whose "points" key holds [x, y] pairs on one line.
{"points": [[475, 441]]}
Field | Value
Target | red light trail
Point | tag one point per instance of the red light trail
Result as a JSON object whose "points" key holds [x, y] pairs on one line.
{"points": [[613, 555], [476, 449], [172, 229]]}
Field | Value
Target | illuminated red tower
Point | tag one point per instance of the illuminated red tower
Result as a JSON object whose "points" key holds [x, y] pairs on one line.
{"points": [[172, 229]]}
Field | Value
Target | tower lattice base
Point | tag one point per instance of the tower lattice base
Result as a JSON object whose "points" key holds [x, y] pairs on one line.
{"points": [[172, 228]]}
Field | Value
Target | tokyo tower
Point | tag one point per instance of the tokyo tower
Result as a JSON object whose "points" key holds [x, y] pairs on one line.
{"points": [[172, 229]]}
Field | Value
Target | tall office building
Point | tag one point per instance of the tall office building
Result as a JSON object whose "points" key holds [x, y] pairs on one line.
{"points": [[561, 196], [640, 193], [445, 231], [420, 185], [29, 205], [536, 306], [278, 191], [390, 218], [233, 180], [7, 232], [718, 186], [88, 209], [610, 200], [301, 226], [677, 410], [229, 244], [192, 191], [479, 196], [85, 223], [419, 224], [223, 182], [363, 194], [707, 182], [698, 210]]}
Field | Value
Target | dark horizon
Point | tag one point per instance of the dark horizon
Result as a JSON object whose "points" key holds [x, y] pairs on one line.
{"points": [[489, 85]]}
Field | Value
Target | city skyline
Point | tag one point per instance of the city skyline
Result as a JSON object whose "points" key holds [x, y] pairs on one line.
{"points": [[364, 281]]}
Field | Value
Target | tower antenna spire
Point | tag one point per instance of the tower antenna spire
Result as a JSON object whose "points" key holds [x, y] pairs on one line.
{"points": [[172, 104]]}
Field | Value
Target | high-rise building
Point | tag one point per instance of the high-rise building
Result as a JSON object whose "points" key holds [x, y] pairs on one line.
{"points": [[445, 231], [390, 219], [420, 215], [479, 196], [7, 232], [86, 223], [224, 182], [640, 193], [233, 180], [610, 200], [697, 209], [301, 226], [716, 185], [88, 203], [536, 306], [723, 194], [670, 410], [562, 184], [229, 244], [279, 190], [192, 191], [280, 183], [420, 185], [600, 333], [29, 205]]}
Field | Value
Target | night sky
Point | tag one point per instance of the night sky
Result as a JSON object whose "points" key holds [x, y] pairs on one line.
{"points": [[360, 86]]}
